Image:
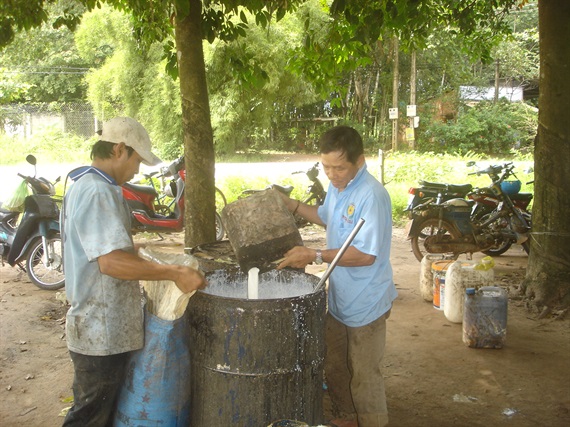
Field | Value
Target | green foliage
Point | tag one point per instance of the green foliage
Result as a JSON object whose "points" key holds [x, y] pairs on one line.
{"points": [[494, 129], [129, 80], [402, 170], [42, 65], [51, 146], [263, 85], [247, 106]]}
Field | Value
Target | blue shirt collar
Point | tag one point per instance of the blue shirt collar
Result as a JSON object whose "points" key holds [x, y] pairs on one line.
{"points": [[77, 173]]}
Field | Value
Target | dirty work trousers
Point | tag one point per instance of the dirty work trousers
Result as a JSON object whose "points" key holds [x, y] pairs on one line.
{"points": [[353, 371], [96, 385]]}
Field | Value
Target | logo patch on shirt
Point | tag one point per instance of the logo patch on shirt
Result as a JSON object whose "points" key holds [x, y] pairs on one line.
{"points": [[350, 212]]}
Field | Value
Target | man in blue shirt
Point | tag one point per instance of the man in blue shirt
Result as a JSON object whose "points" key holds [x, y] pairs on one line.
{"points": [[361, 287], [105, 320]]}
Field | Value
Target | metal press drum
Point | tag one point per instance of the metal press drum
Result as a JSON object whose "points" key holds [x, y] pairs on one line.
{"points": [[254, 361]]}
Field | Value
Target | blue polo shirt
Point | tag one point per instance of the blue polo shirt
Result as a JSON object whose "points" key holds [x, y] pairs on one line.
{"points": [[106, 314], [359, 295]]}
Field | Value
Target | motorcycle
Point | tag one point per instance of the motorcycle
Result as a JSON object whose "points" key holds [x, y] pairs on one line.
{"points": [[34, 244], [441, 192], [486, 203], [448, 227], [150, 212], [315, 194]]}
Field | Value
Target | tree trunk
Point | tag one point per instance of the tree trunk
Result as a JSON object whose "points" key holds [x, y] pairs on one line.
{"points": [[395, 86], [197, 130], [548, 272]]}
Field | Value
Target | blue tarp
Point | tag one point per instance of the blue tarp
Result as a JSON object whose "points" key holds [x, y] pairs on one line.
{"points": [[156, 391]]}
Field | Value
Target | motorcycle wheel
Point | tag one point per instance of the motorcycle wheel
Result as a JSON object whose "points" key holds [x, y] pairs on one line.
{"points": [[220, 231], [499, 249], [221, 200], [49, 277], [430, 227]]}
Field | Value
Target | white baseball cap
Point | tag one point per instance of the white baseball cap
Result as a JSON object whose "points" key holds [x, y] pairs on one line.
{"points": [[133, 134]]}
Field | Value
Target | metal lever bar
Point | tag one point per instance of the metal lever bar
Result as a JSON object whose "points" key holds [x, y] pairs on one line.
{"points": [[339, 254]]}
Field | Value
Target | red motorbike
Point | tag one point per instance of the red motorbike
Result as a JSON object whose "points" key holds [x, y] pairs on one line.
{"points": [[150, 212]]}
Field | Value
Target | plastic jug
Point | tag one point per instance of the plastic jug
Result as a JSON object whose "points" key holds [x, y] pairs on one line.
{"points": [[462, 275], [485, 317], [426, 275]]}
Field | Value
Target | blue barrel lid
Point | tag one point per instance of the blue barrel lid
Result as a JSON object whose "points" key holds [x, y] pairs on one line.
{"points": [[470, 291]]}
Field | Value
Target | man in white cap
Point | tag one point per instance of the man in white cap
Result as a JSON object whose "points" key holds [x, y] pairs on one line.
{"points": [[105, 321]]}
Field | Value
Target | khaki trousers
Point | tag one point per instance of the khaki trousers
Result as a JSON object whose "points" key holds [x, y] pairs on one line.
{"points": [[353, 371]]}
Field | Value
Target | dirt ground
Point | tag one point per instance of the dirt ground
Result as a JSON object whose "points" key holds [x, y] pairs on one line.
{"points": [[432, 378]]}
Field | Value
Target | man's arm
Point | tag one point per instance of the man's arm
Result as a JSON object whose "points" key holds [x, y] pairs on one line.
{"points": [[300, 256], [309, 212], [127, 266]]}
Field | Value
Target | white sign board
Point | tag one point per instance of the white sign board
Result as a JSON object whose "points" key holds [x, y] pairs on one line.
{"points": [[416, 121], [411, 111], [393, 113]]}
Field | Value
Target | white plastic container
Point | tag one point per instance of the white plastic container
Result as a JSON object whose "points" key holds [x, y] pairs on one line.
{"points": [[459, 276], [426, 276]]}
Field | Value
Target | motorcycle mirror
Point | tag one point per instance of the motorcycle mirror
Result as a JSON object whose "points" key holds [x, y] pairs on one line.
{"points": [[470, 163], [31, 159]]}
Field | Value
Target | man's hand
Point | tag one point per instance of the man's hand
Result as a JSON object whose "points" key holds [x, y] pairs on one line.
{"points": [[291, 204], [298, 257], [189, 280], [128, 266]]}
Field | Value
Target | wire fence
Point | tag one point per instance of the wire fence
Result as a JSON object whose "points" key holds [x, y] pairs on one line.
{"points": [[26, 119]]}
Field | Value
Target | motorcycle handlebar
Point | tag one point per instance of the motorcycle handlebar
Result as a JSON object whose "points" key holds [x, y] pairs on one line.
{"points": [[506, 168], [173, 168], [312, 172]]}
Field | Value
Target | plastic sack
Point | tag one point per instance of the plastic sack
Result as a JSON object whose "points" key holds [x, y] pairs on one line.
{"points": [[156, 390], [163, 297], [485, 264], [15, 202]]}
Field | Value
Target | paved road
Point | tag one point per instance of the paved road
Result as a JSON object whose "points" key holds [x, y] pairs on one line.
{"points": [[272, 170]]}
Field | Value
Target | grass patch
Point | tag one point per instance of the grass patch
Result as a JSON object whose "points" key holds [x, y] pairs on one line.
{"points": [[401, 170]]}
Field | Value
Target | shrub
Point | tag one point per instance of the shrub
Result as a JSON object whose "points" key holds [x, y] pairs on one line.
{"points": [[491, 128]]}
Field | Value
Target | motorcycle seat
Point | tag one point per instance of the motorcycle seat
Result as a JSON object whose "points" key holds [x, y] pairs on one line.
{"points": [[527, 197], [140, 188], [453, 188], [6, 215], [285, 189]]}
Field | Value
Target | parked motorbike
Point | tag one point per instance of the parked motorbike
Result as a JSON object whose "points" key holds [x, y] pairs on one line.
{"points": [[150, 212], [448, 227], [439, 191], [34, 243], [486, 203], [315, 194]]}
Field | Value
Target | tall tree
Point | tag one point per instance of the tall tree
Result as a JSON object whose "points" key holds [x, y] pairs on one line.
{"points": [[548, 273], [45, 62], [155, 20], [359, 21]]}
